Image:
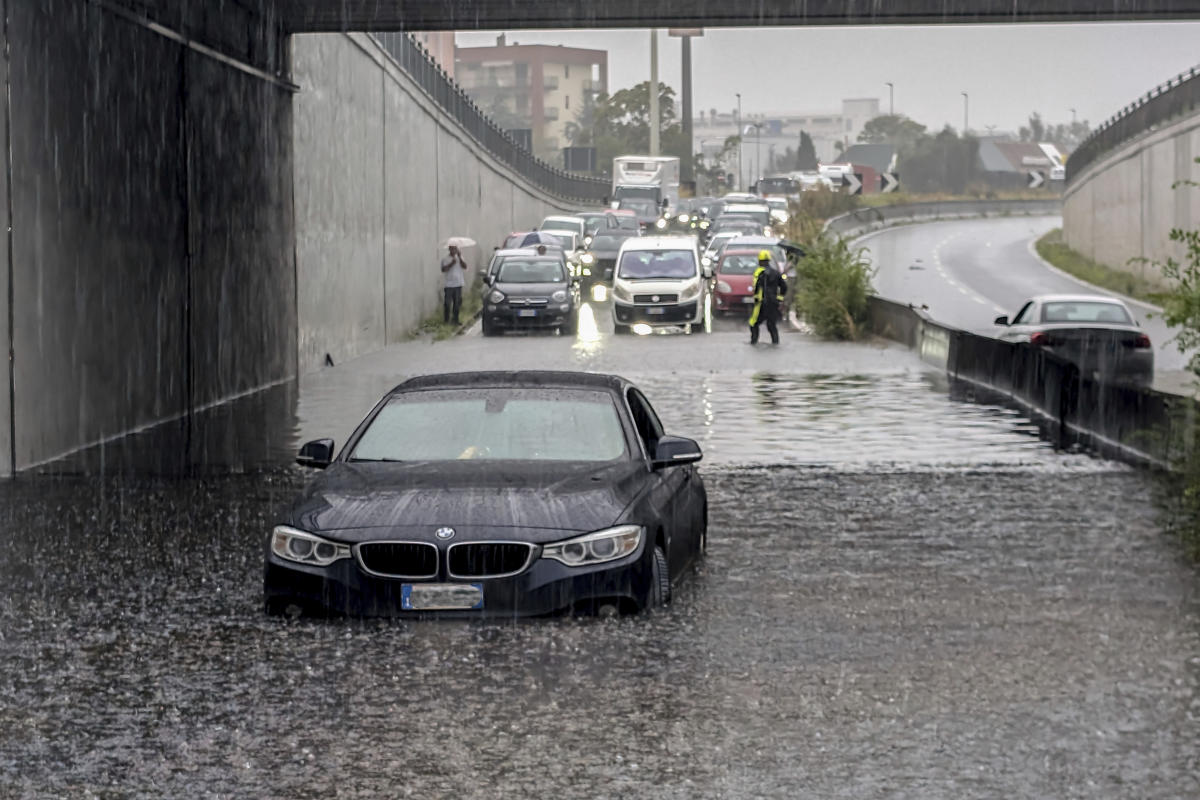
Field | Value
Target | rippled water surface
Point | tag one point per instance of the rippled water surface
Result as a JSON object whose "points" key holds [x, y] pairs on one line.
{"points": [[904, 596]]}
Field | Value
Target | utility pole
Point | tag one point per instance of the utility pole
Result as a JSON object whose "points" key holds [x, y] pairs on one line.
{"points": [[655, 120], [965, 98], [738, 122], [687, 175], [891, 103]]}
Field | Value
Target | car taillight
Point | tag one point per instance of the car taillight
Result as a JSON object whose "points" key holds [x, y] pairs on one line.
{"points": [[1142, 342], [1039, 339]]}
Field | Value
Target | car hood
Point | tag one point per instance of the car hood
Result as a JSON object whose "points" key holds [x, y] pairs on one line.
{"points": [[357, 499]]}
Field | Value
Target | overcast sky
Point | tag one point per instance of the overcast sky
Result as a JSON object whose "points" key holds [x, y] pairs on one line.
{"points": [[1008, 71]]}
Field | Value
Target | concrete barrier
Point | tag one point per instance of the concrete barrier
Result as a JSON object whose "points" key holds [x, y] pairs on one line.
{"points": [[383, 175], [1130, 423], [865, 220]]}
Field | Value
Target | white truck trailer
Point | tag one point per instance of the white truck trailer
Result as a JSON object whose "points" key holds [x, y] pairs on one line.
{"points": [[654, 178]]}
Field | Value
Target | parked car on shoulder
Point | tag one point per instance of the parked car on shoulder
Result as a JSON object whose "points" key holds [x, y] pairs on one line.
{"points": [[1095, 333], [493, 494], [531, 292]]}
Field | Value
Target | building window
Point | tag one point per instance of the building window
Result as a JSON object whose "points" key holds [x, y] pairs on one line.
{"points": [[566, 101], [566, 70]]}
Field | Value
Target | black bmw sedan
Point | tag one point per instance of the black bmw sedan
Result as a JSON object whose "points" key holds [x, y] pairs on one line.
{"points": [[498, 494]]}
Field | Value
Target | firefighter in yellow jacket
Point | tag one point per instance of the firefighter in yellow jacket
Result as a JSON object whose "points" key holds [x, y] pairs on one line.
{"points": [[770, 288]]}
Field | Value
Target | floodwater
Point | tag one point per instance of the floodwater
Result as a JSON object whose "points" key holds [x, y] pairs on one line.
{"points": [[904, 596]]}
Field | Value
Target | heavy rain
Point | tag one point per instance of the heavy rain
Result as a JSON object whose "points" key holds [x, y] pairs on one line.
{"points": [[926, 552]]}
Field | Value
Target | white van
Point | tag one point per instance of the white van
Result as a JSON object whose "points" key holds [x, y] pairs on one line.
{"points": [[658, 281]]}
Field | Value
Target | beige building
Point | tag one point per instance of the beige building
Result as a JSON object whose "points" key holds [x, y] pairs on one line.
{"points": [[535, 88], [440, 45]]}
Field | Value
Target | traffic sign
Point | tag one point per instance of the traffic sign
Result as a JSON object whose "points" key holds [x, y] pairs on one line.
{"points": [[1036, 179], [853, 182], [890, 181]]}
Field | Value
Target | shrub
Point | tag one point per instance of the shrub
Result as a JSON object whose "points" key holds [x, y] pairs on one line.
{"points": [[834, 282]]}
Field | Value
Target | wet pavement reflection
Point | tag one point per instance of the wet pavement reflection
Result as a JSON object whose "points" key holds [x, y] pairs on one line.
{"points": [[904, 596]]}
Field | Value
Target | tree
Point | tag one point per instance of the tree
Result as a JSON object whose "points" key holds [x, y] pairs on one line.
{"points": [[620, 124], [895, 129], [942, 163], [806, 153]]}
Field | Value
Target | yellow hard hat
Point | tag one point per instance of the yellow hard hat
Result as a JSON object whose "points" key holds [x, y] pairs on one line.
{"points": [[764, 255]]}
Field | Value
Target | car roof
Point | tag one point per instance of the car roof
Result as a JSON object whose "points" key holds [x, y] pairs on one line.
{"points": [[515, 378], [659, 243], [742, 238], [516, 251], [1077, 298], [562, 218]]}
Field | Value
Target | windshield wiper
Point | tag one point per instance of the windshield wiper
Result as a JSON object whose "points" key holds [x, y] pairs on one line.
{"points": [[389, 460]]}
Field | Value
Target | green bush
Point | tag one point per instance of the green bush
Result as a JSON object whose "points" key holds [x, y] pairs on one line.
{"points": [[834, 282]]}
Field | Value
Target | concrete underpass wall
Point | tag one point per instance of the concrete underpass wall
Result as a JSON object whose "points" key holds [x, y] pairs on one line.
{"points": [[382, 177], [1123, 206], [152, 232]]}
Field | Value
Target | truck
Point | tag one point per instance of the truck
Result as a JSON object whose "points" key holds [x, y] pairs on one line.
{"points": [[641, 178]]}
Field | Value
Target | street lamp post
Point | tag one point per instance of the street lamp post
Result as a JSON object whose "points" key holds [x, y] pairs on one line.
{"points": [[891, 103], [655, 120], [1072, 116], [757, 152], [965, 99]]}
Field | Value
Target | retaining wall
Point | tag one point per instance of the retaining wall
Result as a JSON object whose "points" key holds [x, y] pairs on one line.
{"points": [[1123, 206], [383, 176]]}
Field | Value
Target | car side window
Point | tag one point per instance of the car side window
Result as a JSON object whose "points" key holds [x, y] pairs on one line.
{"points": [[1024, 316], [644, 419]]}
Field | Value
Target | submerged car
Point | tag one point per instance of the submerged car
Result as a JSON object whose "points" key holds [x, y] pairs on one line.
{"points": [[499, 494], [531, 292], [1095, 333]]}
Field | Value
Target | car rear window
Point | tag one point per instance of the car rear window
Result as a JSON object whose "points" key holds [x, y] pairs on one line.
{"points": [[1086, 311], [739, 265], [495, 424], [541, 271]]}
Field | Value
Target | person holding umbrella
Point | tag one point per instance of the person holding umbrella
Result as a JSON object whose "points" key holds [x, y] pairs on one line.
{"points": [[454, 272]]}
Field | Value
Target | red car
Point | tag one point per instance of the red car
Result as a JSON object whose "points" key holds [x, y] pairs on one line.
{"points": [[735, 280]]}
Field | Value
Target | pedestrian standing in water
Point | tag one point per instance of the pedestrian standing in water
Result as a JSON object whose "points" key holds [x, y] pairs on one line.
{"points": [[770, 289], [454, 272]]}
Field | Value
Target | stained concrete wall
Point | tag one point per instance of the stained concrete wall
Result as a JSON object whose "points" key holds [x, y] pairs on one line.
{"points": [[1123, 206], [382, 177], [152, 227]]}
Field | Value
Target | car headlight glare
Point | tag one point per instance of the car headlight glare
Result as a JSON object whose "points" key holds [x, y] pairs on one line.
{"points": [[496, 296], [596, 548], [306, 548], [662, 223], [722, 286], [587, 258], [559, 296]]}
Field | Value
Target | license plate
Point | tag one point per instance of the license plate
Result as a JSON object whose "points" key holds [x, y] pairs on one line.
{"points": [[527, 312], [747, 299], [440, 596], [656, 310]]}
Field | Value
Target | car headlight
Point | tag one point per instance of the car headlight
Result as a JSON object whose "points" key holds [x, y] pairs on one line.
{"points": [[621, 292], [587, 240], [559, 296], [690, 291], [704, 224], [722, 286], [596, 548], [587, 258], [496, 296], [684, 218], [306, 548], [662, 223], [587, 272]]}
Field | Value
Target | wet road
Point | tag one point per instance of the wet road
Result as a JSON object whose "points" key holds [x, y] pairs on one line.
{"points": [[904, 597], [970, 271]]}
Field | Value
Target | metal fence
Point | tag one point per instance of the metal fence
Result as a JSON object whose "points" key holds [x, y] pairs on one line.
{"points": [[1176, 97], [442, 89]]}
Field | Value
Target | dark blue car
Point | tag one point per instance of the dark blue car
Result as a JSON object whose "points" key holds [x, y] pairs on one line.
{"points": [[493, 494]]}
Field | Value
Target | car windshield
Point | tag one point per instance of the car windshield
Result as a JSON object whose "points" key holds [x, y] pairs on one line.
{"points": [[657, 264], [1085, 312], [494, 424], [739, 264], [632, 194], [560, 224], [625, 222], [644, 208], [608, 241], [530, 271], [761, 216]]}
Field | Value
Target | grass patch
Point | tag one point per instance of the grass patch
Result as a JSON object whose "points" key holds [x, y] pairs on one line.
{"points": [[834, 282], [472, 303], [1052, 248], [900, 198]]}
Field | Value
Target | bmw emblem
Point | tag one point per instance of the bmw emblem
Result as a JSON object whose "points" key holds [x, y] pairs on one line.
{"points": [[444, 533]]}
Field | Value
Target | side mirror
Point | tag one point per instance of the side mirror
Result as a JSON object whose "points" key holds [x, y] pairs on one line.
{"points": [[1002, 320], [487, 279], [674, 451], [317, 454]]}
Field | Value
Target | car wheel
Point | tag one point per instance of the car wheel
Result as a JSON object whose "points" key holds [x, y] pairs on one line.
{"points": [[660, 592], [704, 533], [488, 328]]}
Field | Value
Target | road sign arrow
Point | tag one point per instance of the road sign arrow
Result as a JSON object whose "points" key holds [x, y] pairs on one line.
{"points": [[1036, 179], [890, 181], [853, 182]]}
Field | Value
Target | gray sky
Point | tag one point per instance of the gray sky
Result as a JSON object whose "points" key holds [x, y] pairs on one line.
{"points": [[1007, 70]]}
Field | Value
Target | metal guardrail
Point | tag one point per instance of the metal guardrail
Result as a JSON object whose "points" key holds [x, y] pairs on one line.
{"points": [[1176, 97], [1130, 423], [865, 220], [444, 91]]}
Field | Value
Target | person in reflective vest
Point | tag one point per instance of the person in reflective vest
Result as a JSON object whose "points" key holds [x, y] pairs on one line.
{"points": [[770, 288]]}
